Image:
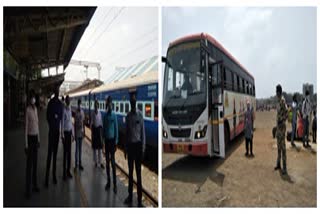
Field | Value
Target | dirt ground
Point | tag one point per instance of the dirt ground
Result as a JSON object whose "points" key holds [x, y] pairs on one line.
{"points": [[237, 181]]}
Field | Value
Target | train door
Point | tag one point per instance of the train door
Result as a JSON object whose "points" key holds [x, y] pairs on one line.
{"points": [[218, 147]]}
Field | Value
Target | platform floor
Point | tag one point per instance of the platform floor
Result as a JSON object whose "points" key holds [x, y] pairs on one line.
{"points": [[85, 189]]}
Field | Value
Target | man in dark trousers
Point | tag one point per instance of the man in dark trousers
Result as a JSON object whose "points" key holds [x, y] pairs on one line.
{"points": [[135, 147], [54, 116], [111, 138]]}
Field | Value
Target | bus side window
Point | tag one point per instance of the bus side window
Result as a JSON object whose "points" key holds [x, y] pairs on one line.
{"points": [[238, 84], [247, 87], [224, 78], [243, 87], [229, 79], [254, 91]]}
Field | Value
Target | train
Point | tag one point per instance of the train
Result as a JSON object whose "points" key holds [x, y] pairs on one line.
{"points": [[146, 88]]}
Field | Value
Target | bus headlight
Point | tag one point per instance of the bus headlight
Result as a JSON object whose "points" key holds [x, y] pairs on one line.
{"points": [[164, 134], [201, 133]]}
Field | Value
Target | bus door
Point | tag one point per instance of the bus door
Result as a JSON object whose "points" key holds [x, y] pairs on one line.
{"points": [[218, 147]]}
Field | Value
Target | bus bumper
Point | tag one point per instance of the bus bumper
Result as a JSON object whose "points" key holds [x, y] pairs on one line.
{"points": [[196, 149]]}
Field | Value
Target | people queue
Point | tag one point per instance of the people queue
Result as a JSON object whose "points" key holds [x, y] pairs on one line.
{"points": [[104, 132]]}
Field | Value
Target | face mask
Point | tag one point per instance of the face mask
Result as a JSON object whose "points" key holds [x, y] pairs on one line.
{"points": [[33, 100]]}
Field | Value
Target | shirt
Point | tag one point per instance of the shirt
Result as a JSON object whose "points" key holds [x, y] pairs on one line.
{"points": [[248, 124], [110, 126], [294, 112], [54, 113], [32, 123], [282, 112], [306, 108], [96, 119], [78, 123], [66, 123], [135, 127]]}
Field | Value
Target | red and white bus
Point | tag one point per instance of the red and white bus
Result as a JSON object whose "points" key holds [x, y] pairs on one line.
{"points": [[204, 97]]}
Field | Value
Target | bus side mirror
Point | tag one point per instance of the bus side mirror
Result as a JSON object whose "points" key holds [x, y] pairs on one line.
{"points": [[164, 59]]}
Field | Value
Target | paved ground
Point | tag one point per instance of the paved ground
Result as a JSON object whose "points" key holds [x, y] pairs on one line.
{"points": [[241, 182], [85, 189]]}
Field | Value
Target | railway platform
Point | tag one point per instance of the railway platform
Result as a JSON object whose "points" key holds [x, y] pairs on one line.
{"points": [[85, 189]]}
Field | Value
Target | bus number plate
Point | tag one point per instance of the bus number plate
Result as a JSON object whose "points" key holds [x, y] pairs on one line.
{"points": [[180, 148]]}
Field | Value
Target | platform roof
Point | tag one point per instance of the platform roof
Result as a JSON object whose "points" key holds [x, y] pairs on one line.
{"points": [[43, 37]]}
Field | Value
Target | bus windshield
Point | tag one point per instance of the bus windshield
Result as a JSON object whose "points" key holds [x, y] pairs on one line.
{"points": [[185, 82]]}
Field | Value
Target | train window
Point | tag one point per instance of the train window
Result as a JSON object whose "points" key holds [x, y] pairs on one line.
{"points": [[121, 107], [126, 108], [147, 111], [117, 107], [113, 106], [140, 106], [156, 110]]}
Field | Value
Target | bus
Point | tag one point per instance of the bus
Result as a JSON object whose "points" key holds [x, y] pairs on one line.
{"points": [[205, 92]]}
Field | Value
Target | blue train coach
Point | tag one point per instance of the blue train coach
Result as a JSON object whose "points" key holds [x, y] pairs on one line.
{"points": [[146, 88]]}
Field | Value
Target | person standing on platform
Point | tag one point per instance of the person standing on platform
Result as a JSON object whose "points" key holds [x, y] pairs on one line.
{"points": [[96, 135], [67, 138], [32, 143], [111, 138], [54, 117], [135, 147], [79, 128]]}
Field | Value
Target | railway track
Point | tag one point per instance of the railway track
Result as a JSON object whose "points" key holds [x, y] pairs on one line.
{"points": [[147, 198]]}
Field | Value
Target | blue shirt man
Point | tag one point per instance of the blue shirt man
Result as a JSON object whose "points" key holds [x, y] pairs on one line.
{"points": [[111, 138]]}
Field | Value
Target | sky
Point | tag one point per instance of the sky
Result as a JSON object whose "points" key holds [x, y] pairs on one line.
{"points": [[115, 37], [276, 45]]}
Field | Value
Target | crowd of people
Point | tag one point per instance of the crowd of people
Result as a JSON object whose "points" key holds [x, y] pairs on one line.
{"points": [[304, 116], [105, 134]]}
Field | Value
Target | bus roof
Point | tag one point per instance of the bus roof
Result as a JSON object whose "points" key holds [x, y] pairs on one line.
{"points": [[146, 78], [214, 42]]}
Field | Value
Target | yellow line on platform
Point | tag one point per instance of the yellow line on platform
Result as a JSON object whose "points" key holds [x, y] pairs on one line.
{"points": [[83, 197]]}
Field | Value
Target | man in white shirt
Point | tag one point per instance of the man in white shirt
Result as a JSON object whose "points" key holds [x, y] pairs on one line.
{"points": [[96, 135], [67, 138], [79, 129], [32, 140]]}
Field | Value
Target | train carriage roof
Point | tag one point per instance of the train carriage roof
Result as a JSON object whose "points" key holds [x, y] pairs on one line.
{"points": [[80, 93], [214, 42], [143, 79]]}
